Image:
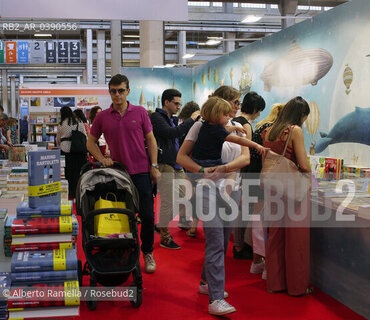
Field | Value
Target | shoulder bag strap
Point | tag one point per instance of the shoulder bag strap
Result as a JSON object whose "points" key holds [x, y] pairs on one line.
{"points": [[287, 140]]}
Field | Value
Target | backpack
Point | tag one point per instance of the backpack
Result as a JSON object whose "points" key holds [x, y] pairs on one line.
{"points": [[78, 141]]}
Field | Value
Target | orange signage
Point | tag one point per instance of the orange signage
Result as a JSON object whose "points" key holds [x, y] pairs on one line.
{"points": [[10, 52], [63, 92]]}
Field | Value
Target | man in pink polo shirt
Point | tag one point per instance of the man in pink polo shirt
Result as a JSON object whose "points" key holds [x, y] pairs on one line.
{"points": [[125, 128]]}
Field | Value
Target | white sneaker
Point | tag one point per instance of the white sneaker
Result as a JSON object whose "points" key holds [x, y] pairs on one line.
{"points": [[264, 274], [203, 289], [220, 307], [150, 264], [257, 267]]}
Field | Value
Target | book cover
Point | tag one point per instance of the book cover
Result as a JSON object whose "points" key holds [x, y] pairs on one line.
{"points": [[4, 285], [333, 168], [56, 260], [364, 211], [63, 208], [44, 295], [43, 276], [42, 246], [44, 178], [35, 225], [40, 313], [42, 238]]}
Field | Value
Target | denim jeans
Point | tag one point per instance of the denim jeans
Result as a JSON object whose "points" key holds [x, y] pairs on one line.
{"points": [[144, 187]]}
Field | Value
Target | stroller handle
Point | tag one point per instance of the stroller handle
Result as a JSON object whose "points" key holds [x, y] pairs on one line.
{"points": [[88, 166]]}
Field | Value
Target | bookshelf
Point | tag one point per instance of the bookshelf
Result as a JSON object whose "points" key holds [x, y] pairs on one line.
{"points": [[43, 126]]}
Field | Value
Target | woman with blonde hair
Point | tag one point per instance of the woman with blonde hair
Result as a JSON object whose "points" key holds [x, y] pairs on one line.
{"points": [[258, 238]]}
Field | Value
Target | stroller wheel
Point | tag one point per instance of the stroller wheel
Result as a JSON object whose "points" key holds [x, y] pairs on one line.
{"points": [[139, 298], [80, 275], [92, 303]]}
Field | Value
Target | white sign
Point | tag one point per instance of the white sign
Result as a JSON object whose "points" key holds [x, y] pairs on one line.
{"points": [[169, 10]]}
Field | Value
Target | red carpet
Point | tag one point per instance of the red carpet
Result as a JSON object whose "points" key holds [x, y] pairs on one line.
{"points": [[172, 291]]}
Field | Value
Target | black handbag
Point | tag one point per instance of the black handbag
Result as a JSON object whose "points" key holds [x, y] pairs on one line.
{"points": [[78, 142]]}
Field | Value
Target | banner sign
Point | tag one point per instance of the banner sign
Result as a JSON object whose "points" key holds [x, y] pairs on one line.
{"points": [[51, 52], [38, 55], [75, 55], [23, 51], [10, 52], [2, 51]]}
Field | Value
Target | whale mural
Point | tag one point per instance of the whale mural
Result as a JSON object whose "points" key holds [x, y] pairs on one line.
{"points": [[353, 127], [298, 67]]}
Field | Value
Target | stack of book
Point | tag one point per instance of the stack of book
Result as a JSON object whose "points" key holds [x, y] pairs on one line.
{"points": [[4, 286], [43, 233], [44, 301], [17, 184], [8, 235], [34, 267], [50, 279]]}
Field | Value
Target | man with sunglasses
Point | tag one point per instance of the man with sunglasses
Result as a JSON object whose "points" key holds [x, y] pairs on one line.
{"points": [[167, 133], [126, 128]]}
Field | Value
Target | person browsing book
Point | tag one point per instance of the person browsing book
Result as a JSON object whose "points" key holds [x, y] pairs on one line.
{"points": [[213, 133]]}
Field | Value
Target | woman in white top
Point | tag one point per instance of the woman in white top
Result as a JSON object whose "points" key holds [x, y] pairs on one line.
{"points": [[74, 161], [217, 231]]}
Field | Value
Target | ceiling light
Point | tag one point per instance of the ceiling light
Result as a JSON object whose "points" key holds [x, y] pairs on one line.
{"points": [[128, 42], [169, 65], [42, 35], [131, 36], [188, 55], [251, 19], [213, 42], [215, 38]]}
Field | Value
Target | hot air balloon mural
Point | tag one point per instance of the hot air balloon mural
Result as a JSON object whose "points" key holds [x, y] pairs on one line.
{"points": [[203, 78], [347, 78], [194, 87], [215, 76], [231, 76], [222, 82], [245, 81], [209, 73], [173, 84], [142, 99], [312, 124], [159, 102]]}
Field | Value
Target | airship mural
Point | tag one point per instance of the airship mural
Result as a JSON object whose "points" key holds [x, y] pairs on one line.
{"points": [[353, 127], [297, 68]]}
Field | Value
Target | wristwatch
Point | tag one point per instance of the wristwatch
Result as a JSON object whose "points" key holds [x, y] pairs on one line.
{"points": [[155, 165]]}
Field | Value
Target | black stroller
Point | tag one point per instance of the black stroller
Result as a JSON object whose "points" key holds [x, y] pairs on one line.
{"points": [[109, 261]]}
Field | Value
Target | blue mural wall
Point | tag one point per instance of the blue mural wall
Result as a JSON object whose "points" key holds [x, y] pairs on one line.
{"points": [[147, 85], [326, 60]]}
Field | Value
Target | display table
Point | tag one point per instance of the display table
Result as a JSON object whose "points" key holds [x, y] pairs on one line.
{"points": [[340, 260]]}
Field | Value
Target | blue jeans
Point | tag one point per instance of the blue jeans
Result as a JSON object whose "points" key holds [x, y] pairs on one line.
{"points": [[144, 187]]}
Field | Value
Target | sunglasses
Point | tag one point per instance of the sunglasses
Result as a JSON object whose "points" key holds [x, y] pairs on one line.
{"points": [[178, 104], [120, 91]]}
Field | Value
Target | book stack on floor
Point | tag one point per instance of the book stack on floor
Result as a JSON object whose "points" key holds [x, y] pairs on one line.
{"points": [[17, 184], [4, 285], [4, 172], [43, 236], [43, 233], [52, 275]]}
